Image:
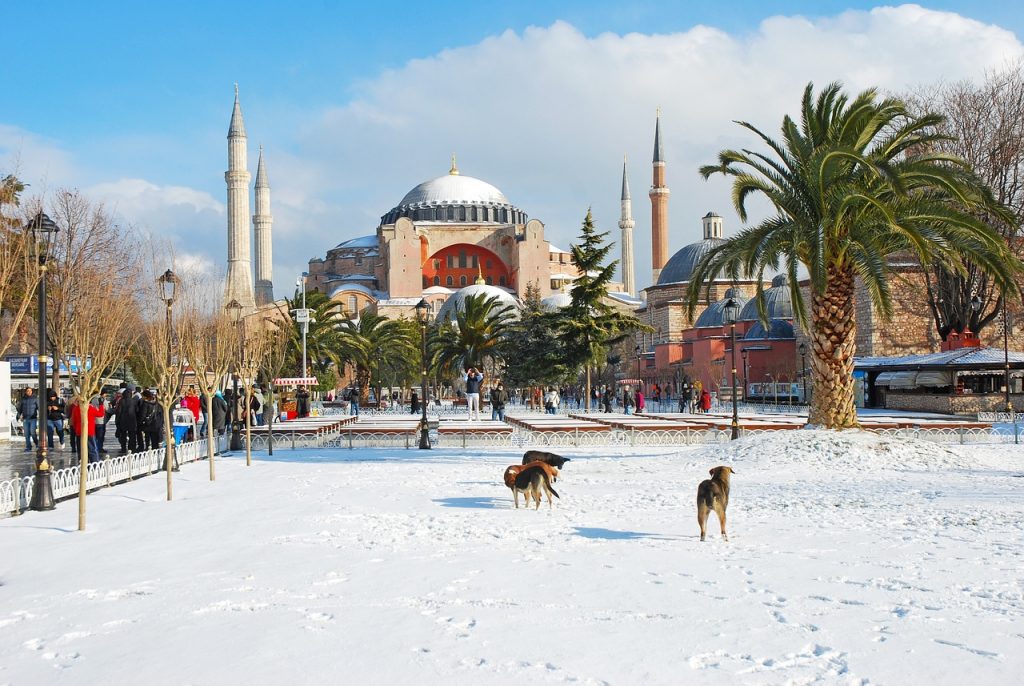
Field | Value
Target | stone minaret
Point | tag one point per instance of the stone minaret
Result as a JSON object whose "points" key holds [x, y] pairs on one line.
{"points": [[626, 224], [262, 221], [659, 207], [239, 278]]}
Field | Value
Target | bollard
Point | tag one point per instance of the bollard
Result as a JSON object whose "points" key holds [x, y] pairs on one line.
{"points": [[463, 438], [576, 439], [293, 440], [632, 435], [106, 468], [961, 432], [350, 439], [406, 441]]}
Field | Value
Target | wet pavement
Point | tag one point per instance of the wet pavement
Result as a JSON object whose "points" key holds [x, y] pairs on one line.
{"points": [[13, 457]]}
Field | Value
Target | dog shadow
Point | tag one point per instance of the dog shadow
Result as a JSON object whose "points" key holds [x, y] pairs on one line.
{"points": [[473, 502], [613, 535]]}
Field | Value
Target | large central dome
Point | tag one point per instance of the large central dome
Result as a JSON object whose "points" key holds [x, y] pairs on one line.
{"points": [[452, 188], [456, 199]]}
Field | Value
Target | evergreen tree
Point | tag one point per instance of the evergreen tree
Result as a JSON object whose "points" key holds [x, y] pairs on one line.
{"points": [[589, 325], [534, 351]]}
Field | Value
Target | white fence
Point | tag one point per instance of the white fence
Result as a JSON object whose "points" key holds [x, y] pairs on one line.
{"points": [[16, 494]]}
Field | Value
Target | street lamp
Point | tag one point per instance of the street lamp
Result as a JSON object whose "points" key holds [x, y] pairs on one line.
{"points": [[975, 306], [746, 373], [637, 351], [302, 317], [803, 369], [730, 312], [234, 309], [168, 283], [422, 312], [43, 231], [380, 386]]}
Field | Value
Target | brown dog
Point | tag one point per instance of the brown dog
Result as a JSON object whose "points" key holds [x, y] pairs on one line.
{"points": [[713, 494], [531, 480]]}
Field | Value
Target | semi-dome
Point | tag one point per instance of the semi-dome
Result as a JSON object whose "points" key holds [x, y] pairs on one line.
{"points": [[714, 315], [680, 266], [777, 328], [456, 198], [555, 302], [777, 302], [457, 301]]}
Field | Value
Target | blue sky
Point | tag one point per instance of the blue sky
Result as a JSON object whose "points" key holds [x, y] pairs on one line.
{"points": [[358, 102]]}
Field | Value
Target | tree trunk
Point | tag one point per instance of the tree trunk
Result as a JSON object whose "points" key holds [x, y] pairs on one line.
{"points": [[833, 344], [83, 457], [248, 429], [210, 447], [168, 448]]}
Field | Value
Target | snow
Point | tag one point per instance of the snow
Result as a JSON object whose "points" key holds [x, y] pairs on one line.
{"points": [[852, 559]]}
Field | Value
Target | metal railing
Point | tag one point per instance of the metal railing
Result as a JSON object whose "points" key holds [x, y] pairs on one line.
{"points": [[16, 493]]}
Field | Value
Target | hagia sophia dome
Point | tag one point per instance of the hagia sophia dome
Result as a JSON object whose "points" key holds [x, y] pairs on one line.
{"points": [[455, 198]]}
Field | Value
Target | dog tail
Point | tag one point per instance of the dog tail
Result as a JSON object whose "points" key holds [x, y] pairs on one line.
{"points": [[547, 480]]}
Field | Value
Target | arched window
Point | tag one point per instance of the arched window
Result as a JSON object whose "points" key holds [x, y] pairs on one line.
{"points": [[462, 214], [451, 214], [462, 280], [425, 282], [449, 281], [475, 262], [501, 280], [490, 281], [353, 304], [462, 259], [437, 280], [488, 263]]}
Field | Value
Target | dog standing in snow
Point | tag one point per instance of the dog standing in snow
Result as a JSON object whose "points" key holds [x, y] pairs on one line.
{"points": [[531, 480], [713, 494]]}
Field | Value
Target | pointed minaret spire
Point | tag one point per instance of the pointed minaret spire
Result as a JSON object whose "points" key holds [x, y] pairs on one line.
{"points": [[626, 224], [263, 223], [659, 206], [238, 285]]}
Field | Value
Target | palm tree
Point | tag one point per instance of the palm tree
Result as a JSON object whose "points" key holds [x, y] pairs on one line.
{"points": [[473, 338], [852, 183], [359, 342], [321, 337]]}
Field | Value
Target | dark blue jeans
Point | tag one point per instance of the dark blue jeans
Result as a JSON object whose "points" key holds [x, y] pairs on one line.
{"points": [[29, 427]]}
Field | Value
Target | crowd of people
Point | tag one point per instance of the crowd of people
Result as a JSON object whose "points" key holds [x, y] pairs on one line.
{"points": [[137, 416]]}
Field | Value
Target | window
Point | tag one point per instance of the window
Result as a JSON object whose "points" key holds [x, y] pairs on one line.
{"points": [[475, 262], [462, 280], [451, 261], [501, 281], [359, 259], [425, 282], [449, 281], [437, 280], [437, 264], [490, 281], [353, 303], [462, 214], [462, 259], [487, 264], [451, 214]]}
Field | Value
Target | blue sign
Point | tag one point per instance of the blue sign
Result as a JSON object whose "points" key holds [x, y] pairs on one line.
{"points": [[29, 364]]}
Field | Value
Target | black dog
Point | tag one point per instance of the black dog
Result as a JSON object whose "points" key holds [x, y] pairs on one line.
{"points": [[541, 456]]}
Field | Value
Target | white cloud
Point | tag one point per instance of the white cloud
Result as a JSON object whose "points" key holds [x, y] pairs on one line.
{"points": [[546, 116]]}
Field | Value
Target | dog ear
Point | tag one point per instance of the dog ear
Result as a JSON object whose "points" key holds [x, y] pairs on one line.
{"points": [[731, 470], [712, 471]]}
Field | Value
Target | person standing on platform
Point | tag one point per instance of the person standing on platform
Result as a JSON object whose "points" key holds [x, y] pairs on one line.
{"points": [[302, 402], [474, 380], [415, 403], [499, 398]]}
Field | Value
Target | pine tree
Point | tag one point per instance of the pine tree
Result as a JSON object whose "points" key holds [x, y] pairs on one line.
{"points": [[589, 325], [534, 350]]}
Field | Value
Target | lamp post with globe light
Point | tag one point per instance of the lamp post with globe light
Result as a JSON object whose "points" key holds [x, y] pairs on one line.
{"points": [[43, 231], [803, 369]]}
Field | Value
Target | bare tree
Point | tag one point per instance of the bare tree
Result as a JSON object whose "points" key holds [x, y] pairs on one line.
{"points": [[251, 357], [985, 124], [276, 332], [208, 343], [19, 270], [104, 328]]}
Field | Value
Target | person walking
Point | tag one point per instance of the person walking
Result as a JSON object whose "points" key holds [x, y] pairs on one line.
{"points": [[474, 379], [354, 397], [607, 398], [28, 413], [499, 397], [102, 406], [54, 418], [414, 402], [150, 420], [87, 432], [640, 405], [705, 401], [551, 401], [627, 401], [258, 403], [194, 405], [219, 420], [125, 421]]}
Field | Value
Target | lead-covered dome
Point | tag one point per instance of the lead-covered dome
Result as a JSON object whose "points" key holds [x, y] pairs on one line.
{"points": [[457, 301], [777, 302], [714, 315], [454, 198], [777, 328], [680, 266]]}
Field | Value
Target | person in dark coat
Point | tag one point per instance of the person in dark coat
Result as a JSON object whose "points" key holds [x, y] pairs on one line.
{"points": [[150, 420], [607, 400], [220, 413], [302, 402], [415, 402], [499, 398], [28, 413], [125, 421], [54, 418]]}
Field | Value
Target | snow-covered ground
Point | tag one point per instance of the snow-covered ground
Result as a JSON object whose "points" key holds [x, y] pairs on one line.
{"points": [[851, 560]]}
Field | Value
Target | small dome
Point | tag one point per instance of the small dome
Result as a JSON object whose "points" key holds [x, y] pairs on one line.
{"points": [[457, 301], [777, 328], [555, 302], [680, 266], [714, 316], [777, 302]]}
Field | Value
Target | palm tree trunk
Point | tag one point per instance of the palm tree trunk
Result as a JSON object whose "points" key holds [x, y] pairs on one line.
{"points": [[833, 344]]}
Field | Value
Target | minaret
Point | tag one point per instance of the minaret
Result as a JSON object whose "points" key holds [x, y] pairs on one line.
{"points": [[238, 285], [263, 222], [626, 224], [659, 206]]}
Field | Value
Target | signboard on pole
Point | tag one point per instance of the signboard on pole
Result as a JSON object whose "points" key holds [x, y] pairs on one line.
{"points": [[296, 381], [302, 316]]}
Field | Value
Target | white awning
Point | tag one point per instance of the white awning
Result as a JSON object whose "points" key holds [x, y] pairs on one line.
{"points": [[897, 379]]}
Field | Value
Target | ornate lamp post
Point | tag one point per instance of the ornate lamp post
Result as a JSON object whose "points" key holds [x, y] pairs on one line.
{"points": [[43, 230], [803, 369], [168, 283], [234, 309], [637, 351], [746, 372], [422, 312], [730, 312]]}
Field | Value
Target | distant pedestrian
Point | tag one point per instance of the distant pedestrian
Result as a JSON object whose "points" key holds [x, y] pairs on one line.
{"points": [[607, 398], [474, 380], [302, 403], [28, 413], [151, 420], [640, 400], [705, 401], [125, 421], [55, 408], [627, 401], [414, 403], [499, 397], [551, 401]]}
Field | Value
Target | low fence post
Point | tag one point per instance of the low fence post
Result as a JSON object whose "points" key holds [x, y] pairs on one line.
{"points": [[293, 440], [350, 439], [463, 438], [17, 494], [576, 439], [961, 432], [106, 468], [632, 435]]}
